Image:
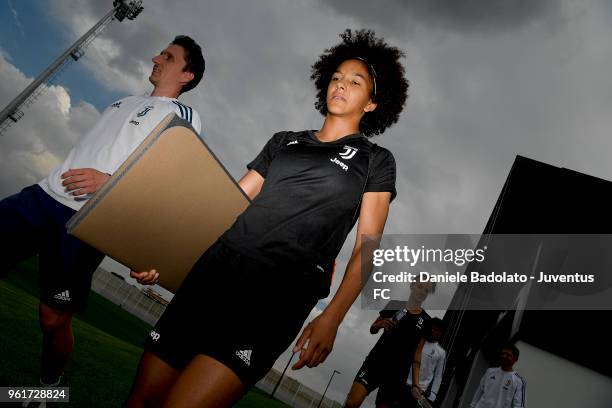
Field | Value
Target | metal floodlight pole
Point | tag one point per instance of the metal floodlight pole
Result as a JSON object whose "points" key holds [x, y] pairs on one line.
{"points": [[282, 375], [325, 392], [12, 112]]}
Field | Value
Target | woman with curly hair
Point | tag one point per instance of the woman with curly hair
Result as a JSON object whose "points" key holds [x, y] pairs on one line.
{"points": [[249, 294]]}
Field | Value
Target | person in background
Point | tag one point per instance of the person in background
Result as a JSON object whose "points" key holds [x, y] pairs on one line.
{"points": [[502, 387], [433, 358], [399, 348]]}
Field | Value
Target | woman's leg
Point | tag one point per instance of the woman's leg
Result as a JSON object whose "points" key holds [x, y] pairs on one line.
{"points": [[154, 380], [205, 383]]}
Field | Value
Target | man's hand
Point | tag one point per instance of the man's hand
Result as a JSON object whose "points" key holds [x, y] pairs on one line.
{"points": [[386, 324], [146, 278], [416, 392], [83, 181], [320, 335]]}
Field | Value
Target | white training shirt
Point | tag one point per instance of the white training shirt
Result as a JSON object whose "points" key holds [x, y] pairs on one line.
{"points": [[118, 132], [500, 389], [433, 357]]}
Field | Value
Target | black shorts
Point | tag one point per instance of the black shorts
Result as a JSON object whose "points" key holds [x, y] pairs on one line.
{"points": [[406, 399], [239, 311], [32, 223], [391, 383]]}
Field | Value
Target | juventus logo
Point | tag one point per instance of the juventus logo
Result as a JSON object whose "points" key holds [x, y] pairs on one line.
{"points": [[144, 111], [348, 153]]}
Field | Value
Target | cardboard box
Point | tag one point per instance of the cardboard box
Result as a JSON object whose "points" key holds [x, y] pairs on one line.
{"points": [[169, 201]]}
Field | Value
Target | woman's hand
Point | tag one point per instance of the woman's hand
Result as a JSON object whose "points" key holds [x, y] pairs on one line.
{"points": [[320, 335]]}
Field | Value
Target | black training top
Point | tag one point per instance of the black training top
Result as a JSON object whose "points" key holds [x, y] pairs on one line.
{"points": [[310, 198], [395, 348]]}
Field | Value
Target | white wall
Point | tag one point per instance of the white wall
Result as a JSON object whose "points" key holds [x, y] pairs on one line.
{"points": [[553, 382]]}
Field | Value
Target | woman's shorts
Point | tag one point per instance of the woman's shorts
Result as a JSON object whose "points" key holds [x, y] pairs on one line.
{"points": [[239, 311]]}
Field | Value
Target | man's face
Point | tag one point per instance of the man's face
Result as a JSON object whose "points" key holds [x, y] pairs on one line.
{"points": [[436, 333], [168, 68], [506, 357], [419, 291]]}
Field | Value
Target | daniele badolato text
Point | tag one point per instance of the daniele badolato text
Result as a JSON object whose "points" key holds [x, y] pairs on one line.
{"points": [[478, 277], [406, 258]]}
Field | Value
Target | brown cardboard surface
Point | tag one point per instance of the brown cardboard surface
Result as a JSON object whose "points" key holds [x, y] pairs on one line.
{"points": [[168, 202]]}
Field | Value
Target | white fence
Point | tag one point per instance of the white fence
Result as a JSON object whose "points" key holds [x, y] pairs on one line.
{"points": [[126, 296], [294, 393]]}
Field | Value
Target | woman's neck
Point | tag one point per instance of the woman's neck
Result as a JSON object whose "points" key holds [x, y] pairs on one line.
{"points": [[335, 127]]}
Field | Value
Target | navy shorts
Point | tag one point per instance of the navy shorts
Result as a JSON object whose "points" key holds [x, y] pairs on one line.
{"points": [[33, 223], [239, 311]]}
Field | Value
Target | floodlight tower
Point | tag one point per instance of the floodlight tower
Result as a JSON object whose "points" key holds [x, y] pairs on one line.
{"points": [[13, 112]]}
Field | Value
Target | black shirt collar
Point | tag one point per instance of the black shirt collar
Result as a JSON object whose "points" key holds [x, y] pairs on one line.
{"points": [[343, 139]]}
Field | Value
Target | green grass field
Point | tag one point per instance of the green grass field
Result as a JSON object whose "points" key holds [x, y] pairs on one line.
{"points": [[107, 346]]}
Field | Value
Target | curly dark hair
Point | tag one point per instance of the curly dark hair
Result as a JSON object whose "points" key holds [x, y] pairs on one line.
{"points": [[383, 64]]}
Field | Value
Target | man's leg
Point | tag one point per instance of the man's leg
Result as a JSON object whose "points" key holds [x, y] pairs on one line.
{"points": [[356, 396], [66, 267], [367, 380], [22, 225], [57, 344]]}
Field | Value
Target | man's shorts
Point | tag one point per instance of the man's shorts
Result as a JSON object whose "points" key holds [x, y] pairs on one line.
{"points": [[32, 223], [391, 384], [239, 311]]}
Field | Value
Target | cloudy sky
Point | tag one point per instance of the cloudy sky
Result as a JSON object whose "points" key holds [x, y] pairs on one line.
{"points": [[490, 79]]}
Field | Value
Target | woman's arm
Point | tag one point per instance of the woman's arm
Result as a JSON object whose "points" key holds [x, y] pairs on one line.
{"points": [[321, 332], [251, 183]]}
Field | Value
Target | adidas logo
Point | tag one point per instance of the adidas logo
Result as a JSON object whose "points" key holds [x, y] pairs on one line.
{"points": [[65, 296], [245, 355]]}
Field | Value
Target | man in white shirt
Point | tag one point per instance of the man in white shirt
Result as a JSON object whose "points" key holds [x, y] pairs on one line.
{"points": [[501, 387], [433, 358], [34, 219]]}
